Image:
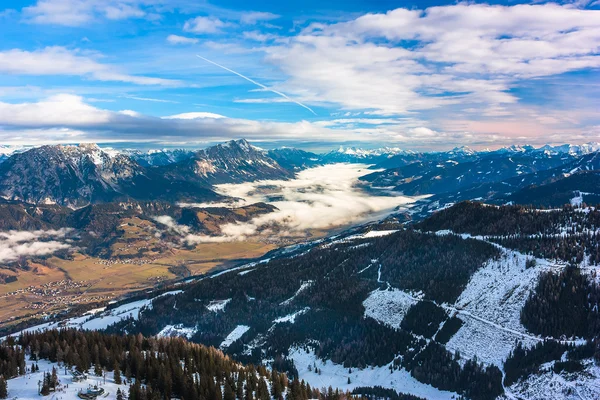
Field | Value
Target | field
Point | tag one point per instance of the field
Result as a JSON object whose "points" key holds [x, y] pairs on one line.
{"points": [[60, 284]]}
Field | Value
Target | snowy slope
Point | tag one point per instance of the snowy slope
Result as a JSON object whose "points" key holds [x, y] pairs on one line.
{"points": [[26, 387], [336, 376]]}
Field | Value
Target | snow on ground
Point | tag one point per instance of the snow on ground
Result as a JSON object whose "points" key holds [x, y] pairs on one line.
{"points": [[388, 306], [177, 331], [548, 385], [367, 235], [237, 333], [303, 286], [217, 305], [101, 318], [336, 376], [490, 307], [246, 271], [26, 387], [291, 318]]}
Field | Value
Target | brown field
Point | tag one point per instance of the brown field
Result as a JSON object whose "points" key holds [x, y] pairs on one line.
{"points": [[60, 284]]}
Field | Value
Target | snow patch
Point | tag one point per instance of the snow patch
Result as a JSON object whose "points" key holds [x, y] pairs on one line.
{"points": [[237, 333], [336, 375], [217, 305], [388, 306]]}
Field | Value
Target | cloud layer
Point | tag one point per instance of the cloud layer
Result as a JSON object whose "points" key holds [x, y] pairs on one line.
{"points": [[16, 244], [318, 199]]}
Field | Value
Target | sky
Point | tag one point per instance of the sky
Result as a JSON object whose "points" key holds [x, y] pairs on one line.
{"points": [[421, 75]]}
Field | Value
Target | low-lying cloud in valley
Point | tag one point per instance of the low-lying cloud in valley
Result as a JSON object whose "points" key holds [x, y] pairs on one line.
{"points": [[16, 244], [319, 198]]}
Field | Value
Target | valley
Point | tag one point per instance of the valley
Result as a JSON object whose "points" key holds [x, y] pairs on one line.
{"points": [[343, 274]]}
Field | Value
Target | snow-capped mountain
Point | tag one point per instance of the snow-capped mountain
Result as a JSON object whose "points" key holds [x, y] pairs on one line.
{"points": [[359, 155], [573, 149], [69, 175], [79, 175], [234, 161], [158, 157], [295, 159]]}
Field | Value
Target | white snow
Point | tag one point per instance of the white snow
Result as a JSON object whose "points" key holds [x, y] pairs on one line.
{"points": [[217, 305], [336, 375], [237, 333], [100, 318], [490, 306], [303, 286], [388, 306], [548, 385], [177, 331], [291, 318], [26, 387]]}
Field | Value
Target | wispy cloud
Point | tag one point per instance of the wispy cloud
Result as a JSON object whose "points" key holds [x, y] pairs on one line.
{"points": [[205, 25], [149, 99], [251, 18], [58, 60], [259, 84], [176, 39]]}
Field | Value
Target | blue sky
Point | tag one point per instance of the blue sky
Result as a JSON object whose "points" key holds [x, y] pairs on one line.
{"points": [[416, 75]]}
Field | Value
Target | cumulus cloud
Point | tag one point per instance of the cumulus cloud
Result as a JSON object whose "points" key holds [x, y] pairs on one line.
{"points": [[319, 198], [176, 39], [16, 244], [65, 118], [205, 25], [461, 54], [56, 60], [80, 12]]}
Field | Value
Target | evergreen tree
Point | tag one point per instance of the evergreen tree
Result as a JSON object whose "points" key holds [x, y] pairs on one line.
{"points": [[3, 388], [117, 374], [228, 395]]}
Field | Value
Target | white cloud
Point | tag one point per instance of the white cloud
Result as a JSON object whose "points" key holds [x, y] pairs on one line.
{"points": [[67, 118], [258, 36], [195, 115], [58, 110], [16, 244], [176, 39], [205, 25], [80, 12], [58, 60], [151, 99], [461, 55], [319, 198], [251, 18]]}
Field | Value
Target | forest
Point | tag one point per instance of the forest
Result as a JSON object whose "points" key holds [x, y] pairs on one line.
{"points": [[326, 287]]}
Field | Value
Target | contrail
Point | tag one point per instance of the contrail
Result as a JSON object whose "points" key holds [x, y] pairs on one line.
{"points": [[257, 84]]}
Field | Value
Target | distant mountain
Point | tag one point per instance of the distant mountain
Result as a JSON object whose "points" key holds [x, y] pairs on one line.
{"points": [[154, 158], [576, 189], [576, 150], [443, 176], [295, 159], [232, 162], [550, 187], [75, 176], [358, 155]]}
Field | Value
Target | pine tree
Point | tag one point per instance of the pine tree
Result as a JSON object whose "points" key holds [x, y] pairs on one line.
{"points": [[3, 388], [262, 392], [117, 374], [54, 379], [228, 395], [119, 394]]}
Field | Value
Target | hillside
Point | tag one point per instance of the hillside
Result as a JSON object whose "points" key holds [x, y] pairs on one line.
{"points": [[390, 300]]}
